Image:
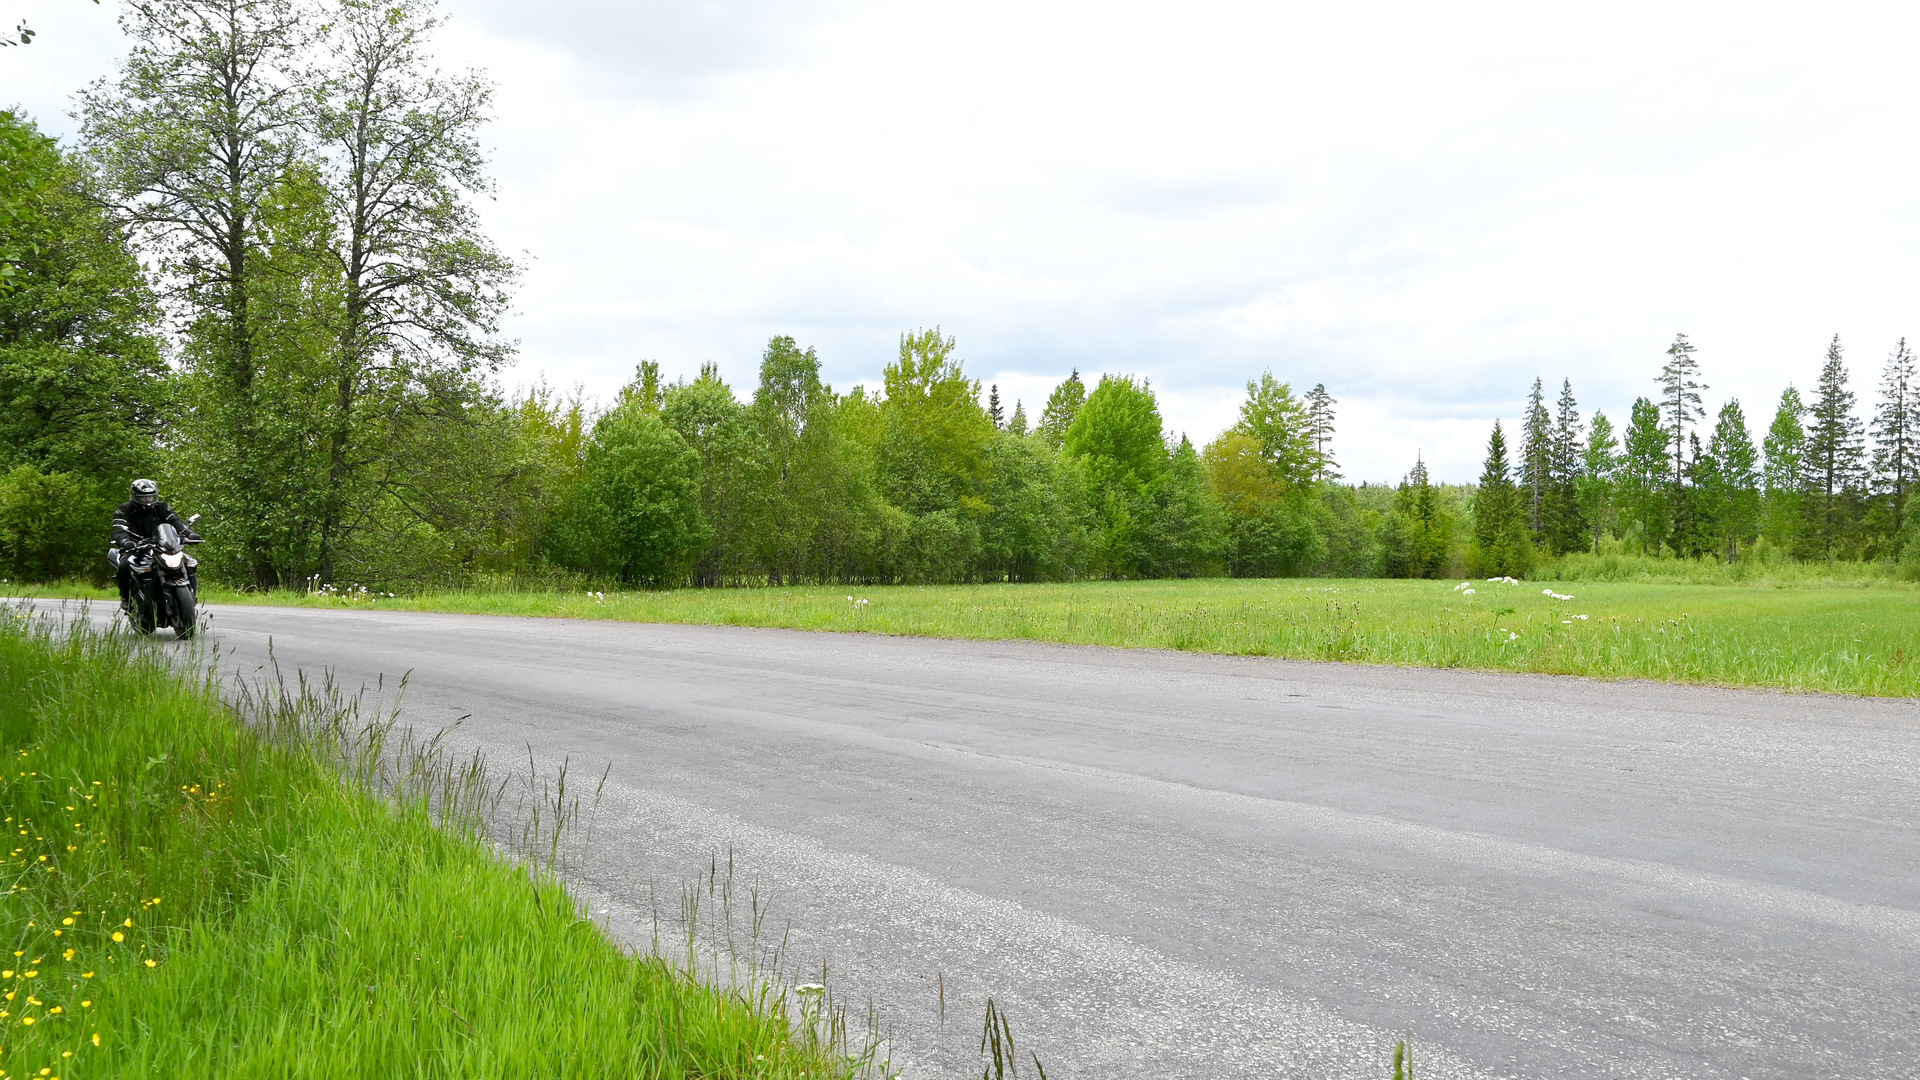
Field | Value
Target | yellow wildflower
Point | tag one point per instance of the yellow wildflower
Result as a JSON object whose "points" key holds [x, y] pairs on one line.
{"points": [[118, 936], [96, 1038], [27, 1020], [68, 955], [86, 974], [152, 962], [129, 922], [86, 1004]]}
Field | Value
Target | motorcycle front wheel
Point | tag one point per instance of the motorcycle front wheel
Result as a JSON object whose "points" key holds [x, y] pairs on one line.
{"points": [[185, 614], [143, 617]]}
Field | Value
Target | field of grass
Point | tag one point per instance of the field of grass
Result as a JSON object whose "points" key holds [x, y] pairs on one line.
{"points": [[1853, 635], [192, 896]]}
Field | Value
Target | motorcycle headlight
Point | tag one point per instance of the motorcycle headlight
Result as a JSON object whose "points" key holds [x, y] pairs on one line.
{"points": [[173, 559]]}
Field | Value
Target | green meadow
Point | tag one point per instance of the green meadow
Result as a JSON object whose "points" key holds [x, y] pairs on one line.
{"points": [[1856, 634]]}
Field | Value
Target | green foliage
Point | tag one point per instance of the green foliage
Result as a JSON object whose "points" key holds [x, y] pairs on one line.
{"points": [[82, 387], [50, 525], [1535, 467], [1599, 479], [1645, 488], [1679, 404], [732, 459], [1729, 481], [1117, 445], [1037, 529], [1834, 464], [1502, 545], [1416, 538], [1784, 478], [931, 453], [1063, 405], [1186, 526], [636, 513], [1563, 515], [1896, 435]]}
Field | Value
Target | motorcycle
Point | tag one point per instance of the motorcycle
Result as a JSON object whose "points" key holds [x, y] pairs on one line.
{"points": [[166, 581]]}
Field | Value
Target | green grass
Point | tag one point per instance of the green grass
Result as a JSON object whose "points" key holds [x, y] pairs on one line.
{"points": [[1856, 635], [193, 896]]}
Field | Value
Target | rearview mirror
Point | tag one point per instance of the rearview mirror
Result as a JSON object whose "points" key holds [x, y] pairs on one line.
{"points": [[193, 519]]}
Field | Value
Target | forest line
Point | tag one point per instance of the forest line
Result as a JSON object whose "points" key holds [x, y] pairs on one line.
{"points": [[259, 279]]}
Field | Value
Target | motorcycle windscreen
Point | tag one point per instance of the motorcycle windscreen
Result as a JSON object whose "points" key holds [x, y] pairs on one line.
{"points": [[167, 537]]}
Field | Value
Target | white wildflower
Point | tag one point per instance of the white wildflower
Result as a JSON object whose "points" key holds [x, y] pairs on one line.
{"points": [[1580, 616], [1466, 592]]}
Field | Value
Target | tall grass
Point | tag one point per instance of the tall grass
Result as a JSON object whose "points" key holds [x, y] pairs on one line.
{"points": [[1841, 637], [291, 892]]}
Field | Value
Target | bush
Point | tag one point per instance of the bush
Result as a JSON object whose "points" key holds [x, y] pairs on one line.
{"points": [[52, 525]]}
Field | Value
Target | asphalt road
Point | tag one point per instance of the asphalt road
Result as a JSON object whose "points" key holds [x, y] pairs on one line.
{"points": [[1165, 864]]}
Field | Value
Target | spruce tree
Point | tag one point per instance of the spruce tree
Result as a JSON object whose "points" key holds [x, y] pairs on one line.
{"points": [[1694, 507], [1320, 405], [1896, 443], [1499, 530], [1017, 423], [1565, 522], [1784, 475], [1426, 524], [994, 412], [1835, 450], [1536, 458]]}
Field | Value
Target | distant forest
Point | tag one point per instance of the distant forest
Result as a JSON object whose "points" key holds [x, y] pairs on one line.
{"points": [[259, 280]]}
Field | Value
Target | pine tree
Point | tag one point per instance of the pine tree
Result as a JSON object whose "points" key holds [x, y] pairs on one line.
{"points": [[1734, 497], [994, 412], [1646, 476], [1536, 458], [1017, 424], [1320, 405], [1599, 467], [1062, 406], [1784, 477], [1680, 401], [1500, 544], [1835, 450], [1896, 442], [1565, 523]]}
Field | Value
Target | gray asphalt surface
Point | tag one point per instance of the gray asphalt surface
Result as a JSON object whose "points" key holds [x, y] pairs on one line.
{"points": [[1178, 865]]}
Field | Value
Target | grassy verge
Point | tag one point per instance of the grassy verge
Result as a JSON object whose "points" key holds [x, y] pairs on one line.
{"points": [[1856, 637], [191, 896]]}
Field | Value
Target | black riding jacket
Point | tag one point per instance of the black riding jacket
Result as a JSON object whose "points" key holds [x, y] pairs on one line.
{"points": [[144, 520]]}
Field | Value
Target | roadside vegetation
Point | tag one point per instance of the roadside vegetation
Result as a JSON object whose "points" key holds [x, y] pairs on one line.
{"points": [[1805, 627], [196, 891], [271, 292]]}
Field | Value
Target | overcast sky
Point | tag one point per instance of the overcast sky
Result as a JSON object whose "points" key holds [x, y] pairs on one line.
{"points": [[1423, 206]]}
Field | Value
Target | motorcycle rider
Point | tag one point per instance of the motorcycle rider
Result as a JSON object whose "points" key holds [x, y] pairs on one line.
{"points": [[137, 519]]}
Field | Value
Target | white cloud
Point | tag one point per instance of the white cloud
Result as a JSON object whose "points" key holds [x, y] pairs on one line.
{"points": [[1422, 206]]}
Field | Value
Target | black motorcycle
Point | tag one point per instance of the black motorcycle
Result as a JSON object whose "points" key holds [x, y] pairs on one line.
{"points": [[166, 581]]}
